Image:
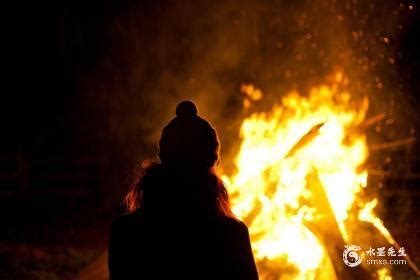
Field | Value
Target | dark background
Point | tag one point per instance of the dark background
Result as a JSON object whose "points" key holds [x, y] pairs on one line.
{"points": [[88, 86]]}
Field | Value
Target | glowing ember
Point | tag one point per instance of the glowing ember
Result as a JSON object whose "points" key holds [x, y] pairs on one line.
{"points": [[305, 146]]}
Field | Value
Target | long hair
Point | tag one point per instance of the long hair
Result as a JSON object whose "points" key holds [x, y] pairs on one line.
{"points": [[219, 197]]}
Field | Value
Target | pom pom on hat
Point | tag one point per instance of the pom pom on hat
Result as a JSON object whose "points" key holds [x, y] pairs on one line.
{"points": [[186, 109]]}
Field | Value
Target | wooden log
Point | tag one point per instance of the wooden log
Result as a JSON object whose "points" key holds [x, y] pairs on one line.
{"points": [[373, 120], [392, 144]]}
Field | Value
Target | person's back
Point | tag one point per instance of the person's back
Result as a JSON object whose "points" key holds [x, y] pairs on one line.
{"points": [[180, 226], [172, 249]]}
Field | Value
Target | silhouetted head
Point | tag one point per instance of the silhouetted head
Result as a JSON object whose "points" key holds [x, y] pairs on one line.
{"points": [[186, 179], [189, 138]]}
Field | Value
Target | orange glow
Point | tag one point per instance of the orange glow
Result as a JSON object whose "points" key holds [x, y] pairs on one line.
{"points": [[303, 141]]}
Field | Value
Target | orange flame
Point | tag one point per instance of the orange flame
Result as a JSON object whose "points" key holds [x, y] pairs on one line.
{"points": [[271, 189]]}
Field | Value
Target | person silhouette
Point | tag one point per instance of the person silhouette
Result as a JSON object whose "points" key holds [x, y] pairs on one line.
{"points": [[178, 223]]}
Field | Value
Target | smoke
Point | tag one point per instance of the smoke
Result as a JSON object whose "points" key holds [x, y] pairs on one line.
{"points": [[160, 52]]}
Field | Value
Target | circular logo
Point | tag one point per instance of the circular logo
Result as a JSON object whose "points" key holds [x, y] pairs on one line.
{"points": [[350, 256]]}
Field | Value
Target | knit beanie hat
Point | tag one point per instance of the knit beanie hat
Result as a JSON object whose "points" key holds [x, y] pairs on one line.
{"points": [[189, 138]]}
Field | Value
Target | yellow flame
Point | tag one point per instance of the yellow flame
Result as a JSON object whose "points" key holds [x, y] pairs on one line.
{"points": [[366, 214], [384, 274], [274, 187], [252, 92]]}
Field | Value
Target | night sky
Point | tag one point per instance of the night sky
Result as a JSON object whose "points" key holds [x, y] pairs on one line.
{"points": [[90, 77], [99, 79]]}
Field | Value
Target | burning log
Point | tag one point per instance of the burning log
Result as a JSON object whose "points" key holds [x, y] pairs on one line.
{"points": [[329, 227], [393, 144], [305, 139], [365, 215], [326, 228], [383, 173], [373, 120]]}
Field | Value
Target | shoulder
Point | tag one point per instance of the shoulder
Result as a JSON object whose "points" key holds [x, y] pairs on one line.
{"points": [[124, 221], [234, 225]]}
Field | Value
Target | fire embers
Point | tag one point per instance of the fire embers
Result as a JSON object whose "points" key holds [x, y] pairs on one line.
{"points": [[300, 179]]}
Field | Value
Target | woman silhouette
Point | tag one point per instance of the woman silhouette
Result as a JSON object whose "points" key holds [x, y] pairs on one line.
{"points": [[179, 224]]}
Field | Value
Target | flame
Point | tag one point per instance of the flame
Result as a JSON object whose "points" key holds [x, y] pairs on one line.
{"points": [[366, 214], [303, 143], [383, 274]]}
